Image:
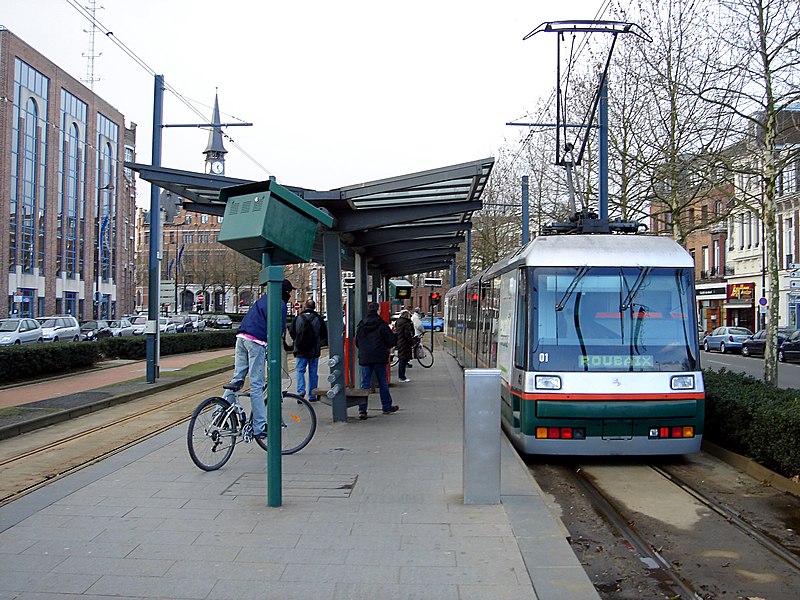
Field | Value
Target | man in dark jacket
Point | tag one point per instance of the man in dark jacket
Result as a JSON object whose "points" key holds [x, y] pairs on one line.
{"points": [[250, 356], [374, 340], [308, 330]]}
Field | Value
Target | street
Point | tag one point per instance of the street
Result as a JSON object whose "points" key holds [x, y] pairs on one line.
{"points": [[788, 373]]}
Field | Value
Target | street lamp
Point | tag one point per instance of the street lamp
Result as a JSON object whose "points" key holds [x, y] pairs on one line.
{"points": [[101, 223]]}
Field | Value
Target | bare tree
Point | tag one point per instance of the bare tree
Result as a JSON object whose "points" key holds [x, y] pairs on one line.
{"points": [[759, 39], [668, 140]]}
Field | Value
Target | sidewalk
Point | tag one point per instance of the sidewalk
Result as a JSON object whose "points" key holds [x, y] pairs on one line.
{"points": [[370, 509]]}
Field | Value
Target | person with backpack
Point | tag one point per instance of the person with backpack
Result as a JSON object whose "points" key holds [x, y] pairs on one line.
{"points": [[309, 332]]}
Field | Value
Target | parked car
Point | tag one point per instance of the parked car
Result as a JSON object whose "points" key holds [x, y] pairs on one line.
{"points": [[198, 322], [14, 332], [726, 338], [121, 327], [91, 331], [183, 324], [60, 328], [789, 350], [139, 323], [219, 322], [438, 323], [755, 345], [165, 325]]}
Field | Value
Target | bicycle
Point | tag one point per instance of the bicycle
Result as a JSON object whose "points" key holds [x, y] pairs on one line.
{"points": [[422, 352], [216, 424]]}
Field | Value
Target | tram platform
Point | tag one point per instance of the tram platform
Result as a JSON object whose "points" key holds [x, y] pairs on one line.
{"points": [[370, 509]]}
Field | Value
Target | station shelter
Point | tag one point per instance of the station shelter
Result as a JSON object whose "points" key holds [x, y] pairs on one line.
{"points": [[381, 229]]}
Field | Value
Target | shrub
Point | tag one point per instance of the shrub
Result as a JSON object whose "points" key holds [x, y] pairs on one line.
{"points": [[32, 361], [748, 417]]}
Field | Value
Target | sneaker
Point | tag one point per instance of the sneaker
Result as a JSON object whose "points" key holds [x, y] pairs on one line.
{"points": [[409, 366], [405, 380], [362, 415], [391, 409]]}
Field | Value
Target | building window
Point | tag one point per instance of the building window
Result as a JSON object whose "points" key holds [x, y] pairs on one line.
{"points": [[704, 215], [71, 211], [730, 233], [741, 231], [715, 258]]}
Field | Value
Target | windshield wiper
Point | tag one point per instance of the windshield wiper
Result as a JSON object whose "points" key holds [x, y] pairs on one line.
{"points": [[643, 273], [571, 287]]}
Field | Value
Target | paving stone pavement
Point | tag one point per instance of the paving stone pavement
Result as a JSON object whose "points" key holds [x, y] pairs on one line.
{"points": [[370, 509]]}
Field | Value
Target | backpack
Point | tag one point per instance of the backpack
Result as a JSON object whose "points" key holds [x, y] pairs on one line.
{"points": [[306, 340]]}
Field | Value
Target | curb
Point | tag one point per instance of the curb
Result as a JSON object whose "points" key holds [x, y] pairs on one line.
{"points": [[9, 431], [752, 468]]}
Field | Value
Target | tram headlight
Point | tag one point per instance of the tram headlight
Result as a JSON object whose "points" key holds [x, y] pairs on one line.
{"points": [[682, 382], [548, 382]]}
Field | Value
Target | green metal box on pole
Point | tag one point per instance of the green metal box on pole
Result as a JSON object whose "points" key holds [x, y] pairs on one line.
{"points": [[266, 217], [273, 226]]}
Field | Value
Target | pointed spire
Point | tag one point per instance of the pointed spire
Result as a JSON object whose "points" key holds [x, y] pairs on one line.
{"points": [[215, 135]]}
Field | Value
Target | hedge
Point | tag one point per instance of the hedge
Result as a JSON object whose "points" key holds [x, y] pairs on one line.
{"points": [[33, 361], [748, 417]]}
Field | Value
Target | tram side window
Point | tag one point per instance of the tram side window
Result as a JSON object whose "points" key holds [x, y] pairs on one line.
{"points": [[521, 319]]}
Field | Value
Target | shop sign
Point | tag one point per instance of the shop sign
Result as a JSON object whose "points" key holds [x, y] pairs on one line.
{"points": [[744, 292], [713, 291]]}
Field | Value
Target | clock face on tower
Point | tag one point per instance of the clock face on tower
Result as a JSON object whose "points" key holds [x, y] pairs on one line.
{"points": [[217, 167]]}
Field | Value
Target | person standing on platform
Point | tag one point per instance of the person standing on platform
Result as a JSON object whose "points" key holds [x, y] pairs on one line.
{"points": [[404, 330], [250, 356], [374, 340], [309, 332], [416, 318]]}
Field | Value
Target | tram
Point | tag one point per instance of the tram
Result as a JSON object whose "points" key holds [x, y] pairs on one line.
{"points": [[595, 338]]}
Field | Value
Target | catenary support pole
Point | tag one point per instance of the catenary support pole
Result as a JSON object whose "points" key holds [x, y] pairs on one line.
{"points": [[526, 218], [603, 118], [153, 264]]}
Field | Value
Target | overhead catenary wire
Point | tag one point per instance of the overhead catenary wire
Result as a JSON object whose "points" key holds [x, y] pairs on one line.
{"points": [[540, 115], [94, 21]]}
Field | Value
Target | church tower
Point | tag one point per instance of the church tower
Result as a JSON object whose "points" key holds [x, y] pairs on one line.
{"points": [[215, 152]]}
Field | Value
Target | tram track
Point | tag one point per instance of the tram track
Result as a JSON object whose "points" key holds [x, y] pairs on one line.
{"points": [[734, 518], [32, 461], [685, 528]]}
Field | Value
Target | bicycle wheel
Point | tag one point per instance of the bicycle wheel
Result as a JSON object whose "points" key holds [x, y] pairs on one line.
{"points": [[212, 433], [426, 360], [393, 358], [298, 424]]}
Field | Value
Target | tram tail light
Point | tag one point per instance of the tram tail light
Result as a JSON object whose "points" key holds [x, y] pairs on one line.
{"points": [[676, 431], [560, 433]]}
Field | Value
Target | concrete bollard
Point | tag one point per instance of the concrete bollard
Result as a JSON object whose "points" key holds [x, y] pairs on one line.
{"points": [[481, 462]]}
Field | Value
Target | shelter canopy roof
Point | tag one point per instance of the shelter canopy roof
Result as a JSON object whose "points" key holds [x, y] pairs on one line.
{"points": [[403, 225]]}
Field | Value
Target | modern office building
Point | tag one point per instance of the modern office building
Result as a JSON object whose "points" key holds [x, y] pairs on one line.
{"points": [[66, 201]]}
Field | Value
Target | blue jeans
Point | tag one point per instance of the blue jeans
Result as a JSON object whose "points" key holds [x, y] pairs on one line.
{"points": [[250, 357], [366, 383], [313, 379]]}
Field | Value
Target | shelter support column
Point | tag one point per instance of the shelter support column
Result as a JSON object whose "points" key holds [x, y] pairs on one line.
{"points": [[332, 257]]}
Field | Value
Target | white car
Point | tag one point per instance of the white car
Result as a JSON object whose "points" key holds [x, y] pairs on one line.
{"points": [[198, 322], [165, 325], [121, 328], [139, 323], [60, 328], [14, 332]]}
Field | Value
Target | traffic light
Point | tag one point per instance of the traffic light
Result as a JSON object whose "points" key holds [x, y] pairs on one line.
{"points": [[436, 297]]}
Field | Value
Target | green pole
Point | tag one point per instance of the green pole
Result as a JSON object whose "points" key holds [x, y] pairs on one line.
{"points": [[273, 277]]}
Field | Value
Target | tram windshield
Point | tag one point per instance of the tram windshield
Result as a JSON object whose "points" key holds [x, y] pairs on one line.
{"points": [[612, 319]]}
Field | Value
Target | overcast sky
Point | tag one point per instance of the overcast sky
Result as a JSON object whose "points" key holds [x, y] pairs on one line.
{"points": [[339, 92]]}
